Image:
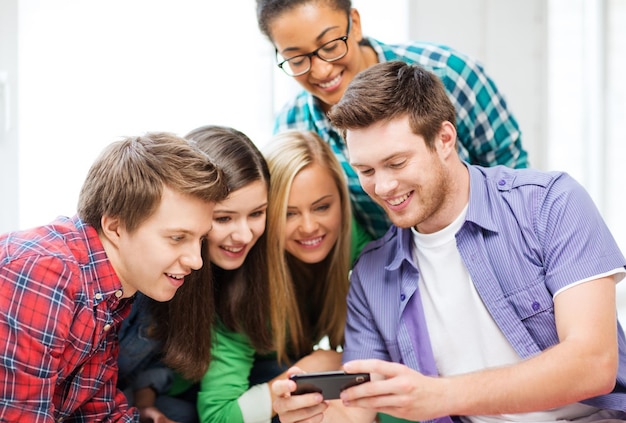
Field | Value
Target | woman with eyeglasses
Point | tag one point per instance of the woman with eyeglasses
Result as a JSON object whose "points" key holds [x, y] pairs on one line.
{"points": [[321, 45]]}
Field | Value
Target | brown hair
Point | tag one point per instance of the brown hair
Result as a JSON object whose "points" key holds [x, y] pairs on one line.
{"points": [[391, 90], [127, 182], [326, 283], [238, 298], [127, 179]]}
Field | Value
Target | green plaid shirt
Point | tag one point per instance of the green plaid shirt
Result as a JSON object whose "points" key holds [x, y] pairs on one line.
{"points": [[488, 133]]}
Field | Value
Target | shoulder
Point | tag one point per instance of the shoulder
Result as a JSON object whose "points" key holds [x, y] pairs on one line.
{"points": [[295, 113], [433, 56], [224, 338], [41, 252], [499, 193], [383, 250], [506, 179]]}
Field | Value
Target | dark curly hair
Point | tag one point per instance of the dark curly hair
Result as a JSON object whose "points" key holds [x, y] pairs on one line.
{"points": [[268, 10]]}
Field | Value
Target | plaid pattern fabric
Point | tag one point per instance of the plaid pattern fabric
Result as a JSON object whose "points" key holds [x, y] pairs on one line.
{"points": [[59, 316], [488, 133]]}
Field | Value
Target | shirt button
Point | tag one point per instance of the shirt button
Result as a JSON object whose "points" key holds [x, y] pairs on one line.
{"points": [[107, 327], [119, 293], [402, 297], [536, 306], [501, 182], [98, 296]]}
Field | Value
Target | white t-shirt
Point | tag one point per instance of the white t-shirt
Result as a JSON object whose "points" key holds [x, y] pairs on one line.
{"points": [[464, 336]]}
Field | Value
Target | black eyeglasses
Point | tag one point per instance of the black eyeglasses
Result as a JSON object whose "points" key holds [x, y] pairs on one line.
{"points": [[328, 52]]}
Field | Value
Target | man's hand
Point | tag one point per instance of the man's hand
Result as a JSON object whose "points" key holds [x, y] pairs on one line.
{"points": [[397, 390]]}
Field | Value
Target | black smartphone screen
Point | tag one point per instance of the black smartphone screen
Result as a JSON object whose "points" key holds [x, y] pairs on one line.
{"points": [[329, 384]]}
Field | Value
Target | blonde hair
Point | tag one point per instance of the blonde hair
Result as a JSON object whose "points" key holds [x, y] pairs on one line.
{"points": [[287, 154]]}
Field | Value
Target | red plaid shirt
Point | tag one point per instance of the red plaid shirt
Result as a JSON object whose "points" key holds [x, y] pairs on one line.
{"points": [[59, 316]]}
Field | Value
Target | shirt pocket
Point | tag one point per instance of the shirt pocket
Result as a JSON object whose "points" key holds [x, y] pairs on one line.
{"points": [[534, 306]]}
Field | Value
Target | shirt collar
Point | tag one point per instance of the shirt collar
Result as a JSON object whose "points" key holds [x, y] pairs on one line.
{"points": [[401, 247], [94, 262], [478, 211]]}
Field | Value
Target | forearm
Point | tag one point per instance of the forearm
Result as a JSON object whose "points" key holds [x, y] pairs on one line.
{"points": [[558, 376], [144, 397], [582, 365]]}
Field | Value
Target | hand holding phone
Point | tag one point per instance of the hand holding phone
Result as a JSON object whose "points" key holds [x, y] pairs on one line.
{"points": [[329, 384]]}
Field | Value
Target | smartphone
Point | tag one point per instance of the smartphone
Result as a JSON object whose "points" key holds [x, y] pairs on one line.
{"points": [[329, 384]]}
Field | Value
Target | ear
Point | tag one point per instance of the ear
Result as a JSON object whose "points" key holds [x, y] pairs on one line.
{"points": [[356, 31], [111, 229], [447, 137]]}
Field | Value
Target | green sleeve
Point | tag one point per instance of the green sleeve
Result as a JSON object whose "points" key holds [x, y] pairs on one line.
{"points": [[232, 358], [360, 237]]}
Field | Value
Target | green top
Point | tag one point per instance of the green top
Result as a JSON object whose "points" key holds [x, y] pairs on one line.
{"points": [[232, 359], [360, 238]]}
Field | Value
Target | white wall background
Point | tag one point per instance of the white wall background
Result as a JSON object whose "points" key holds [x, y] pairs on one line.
{"points": [[9, 184], [90, 72], [78, 74]]}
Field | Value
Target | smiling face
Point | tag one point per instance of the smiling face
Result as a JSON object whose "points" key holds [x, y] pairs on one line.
{"points": [[313, 215], [238, 223], [155, 258], [305, 28], [411, 182]]}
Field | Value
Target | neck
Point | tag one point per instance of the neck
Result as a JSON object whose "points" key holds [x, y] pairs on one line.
{"points": [[370, 58]]}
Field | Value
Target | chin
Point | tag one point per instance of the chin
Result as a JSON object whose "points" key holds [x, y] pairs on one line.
{"points": [[404, 223], [230, 265], [317, 258]]}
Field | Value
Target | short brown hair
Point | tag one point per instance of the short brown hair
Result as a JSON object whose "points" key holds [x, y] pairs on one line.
{"points": [[391, 90], [127, 179]]}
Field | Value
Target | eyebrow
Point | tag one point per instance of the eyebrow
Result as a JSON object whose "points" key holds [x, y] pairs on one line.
{"points": [[383, 160], [178, 230], [227, 211], [170, 231], [319, 200], [318, 38]]}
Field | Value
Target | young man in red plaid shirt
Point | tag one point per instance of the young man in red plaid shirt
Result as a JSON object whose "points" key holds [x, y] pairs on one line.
{"points": [[143, 212]]}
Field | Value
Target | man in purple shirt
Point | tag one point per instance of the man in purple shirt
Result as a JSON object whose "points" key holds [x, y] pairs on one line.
{"points": [[491, 299]]}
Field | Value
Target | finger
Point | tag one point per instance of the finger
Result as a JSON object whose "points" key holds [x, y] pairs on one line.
{"points": [[294, 371], [377, 387], [283, 387], [301, 408], [373, 366]]}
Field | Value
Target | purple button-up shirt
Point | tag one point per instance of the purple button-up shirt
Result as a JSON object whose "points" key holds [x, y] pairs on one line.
{"points": [[526, 235]]}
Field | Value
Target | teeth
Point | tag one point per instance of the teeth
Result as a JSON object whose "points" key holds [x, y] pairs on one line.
{"points": [[330, 83], [312, 241], [176, 276], [398, 200], [232, 249]]}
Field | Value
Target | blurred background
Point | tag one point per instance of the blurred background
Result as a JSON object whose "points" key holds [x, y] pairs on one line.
{"points": [[76, 75]]}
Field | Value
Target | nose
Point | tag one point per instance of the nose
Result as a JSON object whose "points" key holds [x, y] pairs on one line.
{"points": [[193, 257], [308, 224], [320, 69], [385, 184], [242, 233]]}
